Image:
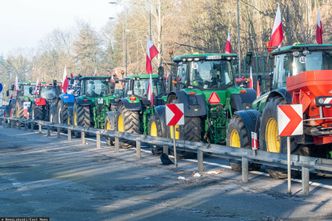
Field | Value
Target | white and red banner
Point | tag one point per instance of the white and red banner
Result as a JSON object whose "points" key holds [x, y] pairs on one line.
{"points": [[319, 29], [258, 89], [228, 46], [151, 52], [65, 81], [277, 32]]}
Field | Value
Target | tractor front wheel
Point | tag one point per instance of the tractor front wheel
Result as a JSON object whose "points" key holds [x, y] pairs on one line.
{"points": [[155, 130], [37, 112], [62, 113], [269, 138], [127, 121], [237, 137]]}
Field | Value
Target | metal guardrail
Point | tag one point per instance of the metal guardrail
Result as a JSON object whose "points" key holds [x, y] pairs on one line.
{"points": [[303, 163]]}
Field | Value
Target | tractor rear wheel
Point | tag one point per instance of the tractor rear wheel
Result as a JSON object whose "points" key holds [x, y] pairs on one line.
{"points": [[83, 116], [237, 137], [19, 111], [127, 121], [37, 112], [269, 138], [62, 113]]}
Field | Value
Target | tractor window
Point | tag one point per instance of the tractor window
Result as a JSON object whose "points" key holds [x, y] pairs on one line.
{"points": [[311, 61], [281, 69], [97, 88], [211, 74], [26, 90], [48, 92], [182, 73], [141, 87]]}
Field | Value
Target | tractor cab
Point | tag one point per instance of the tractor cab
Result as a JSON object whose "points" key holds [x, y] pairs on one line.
{"points": [[137, 86]]}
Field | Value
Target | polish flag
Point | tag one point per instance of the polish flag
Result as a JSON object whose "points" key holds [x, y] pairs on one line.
{"points": [[228, 46], [36, 87], [64, 80], [258, 89], [16, 84], [277, 33], [319, 29], [151, 52]]}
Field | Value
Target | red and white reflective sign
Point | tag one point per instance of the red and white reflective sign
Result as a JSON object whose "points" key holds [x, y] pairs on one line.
{"points": [[290, 120], [174, 114], [254, 141]]}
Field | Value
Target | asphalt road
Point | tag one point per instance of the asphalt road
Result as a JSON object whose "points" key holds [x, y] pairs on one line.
{"points": [[51, 177]]}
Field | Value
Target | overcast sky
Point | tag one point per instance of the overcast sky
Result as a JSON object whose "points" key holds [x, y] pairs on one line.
{"points": [[23, 23]]}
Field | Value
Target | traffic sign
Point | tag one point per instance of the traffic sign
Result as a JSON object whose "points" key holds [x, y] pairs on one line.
{"points": [[1, 87], [214, 98], [290, 120], [174, 114]]}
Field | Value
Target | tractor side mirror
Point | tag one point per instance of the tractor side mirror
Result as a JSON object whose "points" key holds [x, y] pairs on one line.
{"points": [[249, 58], [271, 80], [12, 87], [30, 90], [7, 93]]}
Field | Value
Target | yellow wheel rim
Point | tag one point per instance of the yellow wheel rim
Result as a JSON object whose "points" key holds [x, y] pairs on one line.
{"points": [[108, 125], [120, 124], [234, 139], [272, 138], [153, 129], [75, 118], [177, 132]]}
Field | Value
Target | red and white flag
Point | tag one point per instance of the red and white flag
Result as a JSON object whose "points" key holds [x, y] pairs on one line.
{"points": [[16, 84], [319, 29], [251, 82], [36, 87], [228, 46], [151, 52], [277, 32], [65, 81]]}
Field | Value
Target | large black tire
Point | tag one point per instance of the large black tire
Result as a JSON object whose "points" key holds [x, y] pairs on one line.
{"points": [[19, 111], [127, 121], [62, 113], [237, 137], [191, 131], [37, 112], [269, 142], [108, 127], [83, 116]]}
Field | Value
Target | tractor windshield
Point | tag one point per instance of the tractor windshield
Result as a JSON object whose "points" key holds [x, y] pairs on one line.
{"points": [[97, 87], [210, 74], [26, 90], [311, 61], [141, 87], [48, 92]]}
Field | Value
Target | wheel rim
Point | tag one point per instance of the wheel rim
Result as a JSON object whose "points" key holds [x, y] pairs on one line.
{"points": [[271, 136], [234, 140], [108, 124], [120, 123], [177, 131], [153, 129]]}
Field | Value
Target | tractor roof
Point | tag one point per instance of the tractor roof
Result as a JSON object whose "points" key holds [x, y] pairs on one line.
{"points": [[95, 77], [141, 76], [300, 47], [206, 56]]}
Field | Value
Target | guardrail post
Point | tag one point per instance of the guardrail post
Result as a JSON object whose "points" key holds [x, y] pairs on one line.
{"points": [[48, 131], [244, 169], [25, 126], [69, 134], [165, 149], [18, 124], [116, 144], [83, 136], [39, 128], [200, 158], [58, 132], [98, 140], [31, 126], [138, 149], [305, 180]]}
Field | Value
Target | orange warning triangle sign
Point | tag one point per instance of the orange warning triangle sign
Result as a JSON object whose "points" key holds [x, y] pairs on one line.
{"points": [[214, 98]]}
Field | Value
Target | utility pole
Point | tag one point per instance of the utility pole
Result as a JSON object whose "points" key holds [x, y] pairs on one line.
{"points": [[238, 34]]}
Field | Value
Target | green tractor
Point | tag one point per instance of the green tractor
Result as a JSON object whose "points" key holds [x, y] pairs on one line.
{"points": [[23, 98], [205, 84], [93, 101], [302, 75], [132, 113]]}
